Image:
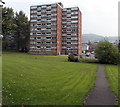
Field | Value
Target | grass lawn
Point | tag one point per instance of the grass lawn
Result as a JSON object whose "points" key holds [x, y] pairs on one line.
{"points": [[112, 76], [45, 80]]}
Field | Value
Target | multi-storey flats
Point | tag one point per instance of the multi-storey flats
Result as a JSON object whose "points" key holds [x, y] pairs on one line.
{"points": [[55, 30]]}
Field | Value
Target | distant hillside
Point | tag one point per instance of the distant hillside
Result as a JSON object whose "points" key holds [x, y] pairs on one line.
{"points": [[112, 39], [97, 38]]}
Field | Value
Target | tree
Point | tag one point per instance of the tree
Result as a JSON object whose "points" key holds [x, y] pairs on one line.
{"points": [[119, 46], [8, 26], [22, 31], [106, 53]]}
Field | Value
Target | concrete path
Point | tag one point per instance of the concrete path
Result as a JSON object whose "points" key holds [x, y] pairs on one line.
{"points": [[101, 94]]}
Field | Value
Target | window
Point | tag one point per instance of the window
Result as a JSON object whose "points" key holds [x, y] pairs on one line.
{"points": [[53, 19], [38, 38], [74, 13], [33, 25], [31, 38], [75, 8], [48, 23], [53, 28], [74, 21], [53, 37], [38, 33], [31, 33], [53, 33], [75, 30], [68, 42], [43, 6], [38, 20], [74, 16], [43, 33], [53, 10], [43, 23], [43, 10], [68, 38], [38, 29], [33, 11], [43, 15], [33, 20], [49, 7], [64, 9], [74, 25], [48, 33], [33, 7], [48, 47], [34, 33], [68, 34], [43, 38], [48, 28], [54, 5], [38, 47], [48, 42], [48, 37], [48, 15], [32, 42], [32, 47], [74, 38], [74, 34], [33, 16], [53, 23], [43, 19], [38, 25], [53, 14], [39, 8], [43, 29], [75, 43], [68, 10], [38, 42]]}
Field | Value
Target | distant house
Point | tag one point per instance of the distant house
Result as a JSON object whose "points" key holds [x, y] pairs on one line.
{"points": [[85, 47], [93, 46]]}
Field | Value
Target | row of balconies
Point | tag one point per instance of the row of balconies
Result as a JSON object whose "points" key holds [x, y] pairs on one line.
{"points": [[45, 38], [43, 6]]}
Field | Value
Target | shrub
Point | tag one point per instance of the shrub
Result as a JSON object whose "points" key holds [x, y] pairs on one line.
{"points": [[89, 60], [72, 58]]}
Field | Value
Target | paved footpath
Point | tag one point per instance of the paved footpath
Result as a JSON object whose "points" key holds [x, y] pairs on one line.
{"points": [[101, 94]]}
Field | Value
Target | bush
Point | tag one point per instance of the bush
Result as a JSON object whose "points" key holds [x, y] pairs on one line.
{"points": [[106, 53], [89, 60], [72, 58]]}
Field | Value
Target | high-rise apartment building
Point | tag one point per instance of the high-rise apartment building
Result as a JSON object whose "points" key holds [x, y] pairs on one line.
{"points": [[55, 30]]}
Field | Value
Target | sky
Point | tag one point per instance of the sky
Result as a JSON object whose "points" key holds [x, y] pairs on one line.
{"points": [[98, 16]]}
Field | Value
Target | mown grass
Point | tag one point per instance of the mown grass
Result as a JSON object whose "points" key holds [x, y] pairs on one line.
{"points": [[112, 76], [45, 80]]}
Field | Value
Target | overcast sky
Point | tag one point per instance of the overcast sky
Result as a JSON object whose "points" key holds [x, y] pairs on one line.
{"points": [[98, 16]]}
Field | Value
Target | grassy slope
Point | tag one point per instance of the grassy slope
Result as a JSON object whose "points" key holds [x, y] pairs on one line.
{"points": [[112, 75], [46, 80]]}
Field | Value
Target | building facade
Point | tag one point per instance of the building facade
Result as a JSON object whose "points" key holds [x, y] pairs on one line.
{"points": [[55, 30]]}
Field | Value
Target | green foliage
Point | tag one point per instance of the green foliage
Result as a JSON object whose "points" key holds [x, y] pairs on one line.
{"points": [[107, 53], [22, 31], [45, 80], [8, 25], [17, 26], [8, 21], [72, 58], [88, 60]]}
